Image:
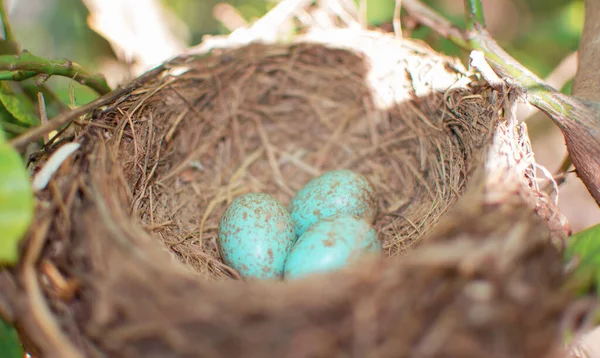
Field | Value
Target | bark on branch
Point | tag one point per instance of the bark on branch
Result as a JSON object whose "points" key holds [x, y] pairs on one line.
{"points": [[587, 79]]}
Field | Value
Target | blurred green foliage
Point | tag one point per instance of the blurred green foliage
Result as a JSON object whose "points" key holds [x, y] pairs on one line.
{"points": [[10, 346], [17, 105], [57, 29], [584, 246], [538, 33], [16, 202], [379, 11], [546, 30]]}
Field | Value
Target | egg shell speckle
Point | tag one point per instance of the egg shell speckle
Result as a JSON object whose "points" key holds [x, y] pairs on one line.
{"points": [[338, 192], [330, 244], [255, 236]]}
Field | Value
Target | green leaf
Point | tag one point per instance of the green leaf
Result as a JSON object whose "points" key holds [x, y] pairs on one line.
{"points": [[585, 248], [572, 17], [380, 11], [9, 124], [16, 202], [18, 105], [10, 345]]}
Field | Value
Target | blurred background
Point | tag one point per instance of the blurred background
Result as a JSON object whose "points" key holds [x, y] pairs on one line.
{"points": [[123, 38]]}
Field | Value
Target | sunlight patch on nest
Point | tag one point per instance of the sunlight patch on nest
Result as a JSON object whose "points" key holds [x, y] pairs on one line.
{"points": [[389, 58]]}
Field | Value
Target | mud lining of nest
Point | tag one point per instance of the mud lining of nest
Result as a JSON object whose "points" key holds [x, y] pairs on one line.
{"points": [[144, 193]]}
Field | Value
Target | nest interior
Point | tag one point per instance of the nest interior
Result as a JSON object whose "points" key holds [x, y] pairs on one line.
{"points": [[270, 118], [132, 217]]}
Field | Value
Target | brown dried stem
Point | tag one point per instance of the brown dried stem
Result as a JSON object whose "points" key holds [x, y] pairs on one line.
{"points": [[40, 321]]}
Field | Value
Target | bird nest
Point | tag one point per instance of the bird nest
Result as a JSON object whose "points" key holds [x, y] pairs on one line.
{"points": [[122, 262]]}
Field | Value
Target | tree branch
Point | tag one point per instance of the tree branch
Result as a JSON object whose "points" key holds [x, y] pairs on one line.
{"points": [[16, 75], [26, 65], [426, 16], [577, 118]]}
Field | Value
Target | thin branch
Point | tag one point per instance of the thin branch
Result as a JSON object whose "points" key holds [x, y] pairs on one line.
{"points": [[7, 29], [26, 65], [480, 64], [396, 20], [32, 90], [10, 43], [229, 16], [473, 14], [55, 123], [42, 111], [12, 128], [16, 75], [426, 16], [11, 47], [562, 73], [561, 174]]}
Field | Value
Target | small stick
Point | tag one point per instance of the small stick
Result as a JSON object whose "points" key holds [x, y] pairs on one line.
{"points": [[57, 344], [42, 109], [362, 13], [271, 157], [396, 21], [178, 120], [229, 16], [479, 62], [560, 176], [65, 288]]}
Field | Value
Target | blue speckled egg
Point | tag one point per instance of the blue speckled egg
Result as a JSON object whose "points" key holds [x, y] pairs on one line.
{"points": [[255, 236], [338, 192], [330, 244]]}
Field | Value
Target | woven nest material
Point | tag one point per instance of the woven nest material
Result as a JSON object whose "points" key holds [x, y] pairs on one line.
{"points": [[122, 261]]}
